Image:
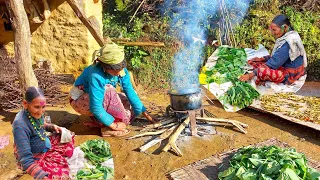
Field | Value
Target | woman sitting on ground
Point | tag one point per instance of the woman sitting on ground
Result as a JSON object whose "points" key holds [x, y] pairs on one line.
{"points": [[40, 156], [94, 93], [288, 60]]}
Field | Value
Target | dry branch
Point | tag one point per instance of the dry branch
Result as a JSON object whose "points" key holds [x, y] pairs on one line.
{"points": [[11, 94]]}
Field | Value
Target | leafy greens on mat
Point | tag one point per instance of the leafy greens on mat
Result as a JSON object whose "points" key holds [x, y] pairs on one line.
{"points": [[268, 163]]}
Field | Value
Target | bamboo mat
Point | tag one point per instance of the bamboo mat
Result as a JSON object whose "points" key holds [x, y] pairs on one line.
{"points": [[257, 106], [208, 169]]}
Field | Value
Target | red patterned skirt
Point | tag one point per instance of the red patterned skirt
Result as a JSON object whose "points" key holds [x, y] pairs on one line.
{"points": [[281, 75], [54, 160], [116, 104]]}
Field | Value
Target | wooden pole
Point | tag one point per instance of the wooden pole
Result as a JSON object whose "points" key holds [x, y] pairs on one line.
{"points": [[22, 43], [89, 24]]}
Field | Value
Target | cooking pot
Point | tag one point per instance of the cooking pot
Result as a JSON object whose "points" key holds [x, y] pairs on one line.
{"points": [[185, 99]]}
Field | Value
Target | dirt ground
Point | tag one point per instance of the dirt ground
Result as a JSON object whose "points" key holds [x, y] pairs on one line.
{"points": [[131, 164]]}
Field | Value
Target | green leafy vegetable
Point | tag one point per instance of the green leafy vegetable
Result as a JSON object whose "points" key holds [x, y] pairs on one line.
{"points": [[97, 150], [241, 94], [268, 163], [229, 65], [99, 172]]}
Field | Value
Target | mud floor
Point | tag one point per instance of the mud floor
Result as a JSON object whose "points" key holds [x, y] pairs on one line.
{"points": [[131, 164]]}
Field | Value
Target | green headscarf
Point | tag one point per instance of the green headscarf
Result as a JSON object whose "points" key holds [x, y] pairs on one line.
{"points": [[109, 54]]}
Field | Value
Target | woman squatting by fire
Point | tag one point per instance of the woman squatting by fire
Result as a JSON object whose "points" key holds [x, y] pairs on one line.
{"points": [[94, 93]]}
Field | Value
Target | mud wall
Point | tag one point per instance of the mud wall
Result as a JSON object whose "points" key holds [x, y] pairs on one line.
{"points": [[63, 39]]}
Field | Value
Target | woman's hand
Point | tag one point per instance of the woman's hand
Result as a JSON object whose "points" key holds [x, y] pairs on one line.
{"points": [[246, 77], [57, 129], [149, 117], [118, 126], [257, 59]]}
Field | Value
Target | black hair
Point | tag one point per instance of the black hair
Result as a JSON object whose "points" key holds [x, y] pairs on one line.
{"points": [[32, 93], [280, 20], [117, 67]]}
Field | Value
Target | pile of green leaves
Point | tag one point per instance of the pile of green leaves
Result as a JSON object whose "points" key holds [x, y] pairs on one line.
{"points": [[241, 94], [229, 65], [100, 172], [96, 150], [268, 163]]}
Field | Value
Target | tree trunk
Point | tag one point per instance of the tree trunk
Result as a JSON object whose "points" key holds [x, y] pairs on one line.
{"points": [[22, 43]]}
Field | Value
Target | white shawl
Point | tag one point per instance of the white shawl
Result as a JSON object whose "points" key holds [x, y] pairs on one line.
{"points": [[296, 46]]}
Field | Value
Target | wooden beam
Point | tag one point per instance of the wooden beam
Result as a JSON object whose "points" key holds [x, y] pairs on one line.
{"points": [[87, 22], [22, 43], [193, 122]]}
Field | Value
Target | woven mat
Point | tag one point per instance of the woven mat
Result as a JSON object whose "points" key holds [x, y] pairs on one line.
{"points": [[209, 168]]}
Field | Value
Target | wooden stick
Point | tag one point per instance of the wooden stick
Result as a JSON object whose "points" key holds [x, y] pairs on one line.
{"points": [[222, 120], [159, 124], [137, 10], [169, 125], [237, 124], [81, 15], [147, 134], [150, 144], [172, 140], [163, 136], [156, 44]]}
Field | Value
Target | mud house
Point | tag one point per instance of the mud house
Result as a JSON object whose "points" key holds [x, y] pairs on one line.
{"points": [[57, 34]]}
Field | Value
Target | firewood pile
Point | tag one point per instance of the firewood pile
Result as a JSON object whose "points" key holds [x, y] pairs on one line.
{"points": [[169, 128], [10, 93]]}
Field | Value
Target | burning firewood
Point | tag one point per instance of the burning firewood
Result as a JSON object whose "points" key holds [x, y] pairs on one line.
{"points": [[172, 140]]}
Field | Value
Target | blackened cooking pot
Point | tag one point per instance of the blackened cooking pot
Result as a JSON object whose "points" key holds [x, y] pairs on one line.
{"points": [[186, 99]]}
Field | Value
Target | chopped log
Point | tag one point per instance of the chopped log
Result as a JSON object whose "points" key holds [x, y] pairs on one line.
{"points": [[81, 15], [155, 44], [172, 140], [22, 43], [155, 141], [235, 123]]}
